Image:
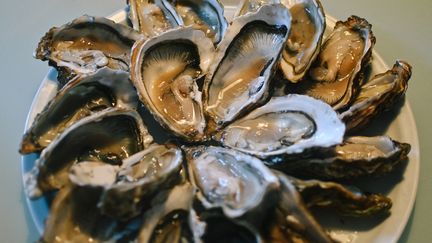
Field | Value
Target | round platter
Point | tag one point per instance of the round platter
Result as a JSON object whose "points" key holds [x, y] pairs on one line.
{"points": [[400, 185]]}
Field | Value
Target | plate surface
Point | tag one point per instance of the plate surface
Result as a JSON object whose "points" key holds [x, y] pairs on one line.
{"points": [[400, 186]]}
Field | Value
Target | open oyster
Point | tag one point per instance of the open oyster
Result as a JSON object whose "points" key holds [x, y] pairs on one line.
{"points": [[229, 180], [355, 157], [347, 200], [377, 95], [336, 75], [85, 45], [205, 15], [286, 125], [304, 41], [81, 97], [108, 136], [165, 70], [239, 76], [152, 17]]}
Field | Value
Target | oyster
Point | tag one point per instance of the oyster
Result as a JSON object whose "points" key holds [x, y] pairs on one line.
{"points": [[336, 75], [377, 95], [304, 41], [165, 70], [286, 125], [172, 218], [229, 180], [205, 15], [348, 201], [140, 178], [81, 97], [240, 73], [355, 157], [108, 136], [85, 45], [152, 17]]}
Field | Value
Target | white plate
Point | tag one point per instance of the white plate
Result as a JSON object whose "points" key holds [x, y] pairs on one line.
{"points": [[400, 186]]}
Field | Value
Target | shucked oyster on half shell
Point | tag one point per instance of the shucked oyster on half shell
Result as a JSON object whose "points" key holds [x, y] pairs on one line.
{"points": [[205, 15], [85, 45], [152, 17], [108, 136], [81, 97], [286, 125], [377, 95], [240, 73], [355, 157], [336, 74], [165, 70]]}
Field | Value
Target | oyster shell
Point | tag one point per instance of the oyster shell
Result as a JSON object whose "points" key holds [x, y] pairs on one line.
{"points": [[152, 17], [286, 125], [355, 157], [377, 95], [165, 70], [141, 177], [304, 41], [81, 97], [205, 15], [240, 73], [85, 45], [336, 75], [107, 136], [229, 180], [172, 218], [348, 201]]}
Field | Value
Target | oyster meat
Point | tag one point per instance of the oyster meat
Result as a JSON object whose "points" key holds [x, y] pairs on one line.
{"points": [[152, 17], [205, 15], [108, 136], [355, 157], [284, 126], [165, 70], [377, 95], [337, 73], [81, 97], [240, 73], [85, 45]]}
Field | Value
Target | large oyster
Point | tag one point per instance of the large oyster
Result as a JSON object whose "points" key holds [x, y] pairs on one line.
{"points": [[205, 15], [289, 124], [165, 70], [355, 157], [81, 97], [240, 73], [377, 95], [85, 45], [152, 17], [336, 75], [108, 136], [229, 180], [304, 41]]}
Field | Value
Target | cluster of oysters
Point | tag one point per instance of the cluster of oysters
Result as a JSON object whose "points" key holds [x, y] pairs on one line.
{"points": [[240, 112]]}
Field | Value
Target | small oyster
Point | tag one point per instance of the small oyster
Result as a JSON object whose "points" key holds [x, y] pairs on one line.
{"points": [[85, 45], [240, 73], [165, 70], [205, 15], [286, 125], [172, 218], [377, 95], [152, 17], [304, 41], [81, 97], [229, 180], [108, 136], [355, 157], [336, 75], [348, 201]]}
